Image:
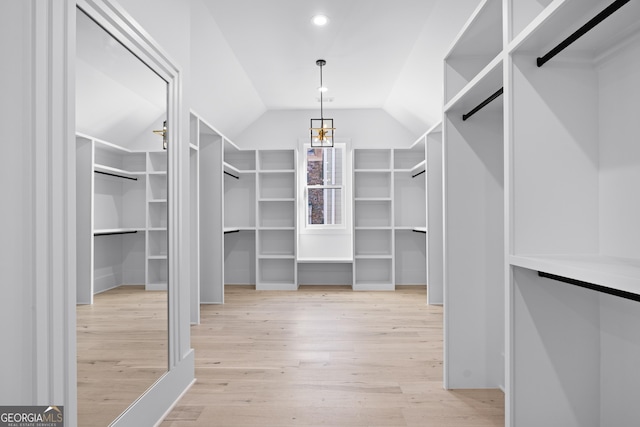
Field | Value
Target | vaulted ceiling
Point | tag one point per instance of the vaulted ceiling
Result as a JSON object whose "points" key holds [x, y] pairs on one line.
{"points": [[380, 53]]}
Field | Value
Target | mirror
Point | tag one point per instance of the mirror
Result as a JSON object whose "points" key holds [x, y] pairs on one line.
{"points": [[121, 209]]}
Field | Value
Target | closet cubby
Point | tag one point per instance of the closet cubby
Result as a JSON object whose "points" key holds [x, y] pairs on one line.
{"points": [[157, 242], [373, 274], [373, 243], [476, 47], [157, 187], [157, 274], [373, 213], [372, 185], [276, 243], [277, 213], [118, 203], [574, 148], [157, 214], [523, 12], [274, 273], [157, 162], [372, 159], [277, 185], [277, 160], [111, 158], [241, 160]]}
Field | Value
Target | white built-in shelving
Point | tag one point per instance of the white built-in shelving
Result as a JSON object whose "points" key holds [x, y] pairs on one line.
{"points": [[276, 210], [373, 219], [473, 174], [434, 228], [540, 220], [574, 165], [121, 217], [409, 214]]}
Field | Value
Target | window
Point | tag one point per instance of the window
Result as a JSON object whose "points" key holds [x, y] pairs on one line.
{"points": [[325, 187]]}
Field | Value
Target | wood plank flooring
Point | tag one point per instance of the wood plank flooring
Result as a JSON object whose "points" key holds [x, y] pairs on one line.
{"points": [[325, 356], [122, 350]]}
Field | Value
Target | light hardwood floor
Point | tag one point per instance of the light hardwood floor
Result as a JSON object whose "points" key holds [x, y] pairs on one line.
{"points": [[122, 350], [325, 357]]}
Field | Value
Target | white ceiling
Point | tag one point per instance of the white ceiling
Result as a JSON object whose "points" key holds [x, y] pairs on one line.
{"points": [[380, 53]]}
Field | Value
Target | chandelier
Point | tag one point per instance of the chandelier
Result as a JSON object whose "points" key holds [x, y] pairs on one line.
{"points": [[322, 130]]}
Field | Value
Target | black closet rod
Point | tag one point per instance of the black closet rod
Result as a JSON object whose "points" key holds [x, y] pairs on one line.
{"points": [[483, 104], [581, 31], [419, 231], [110, 233], [231, 231], [227, 173], [592, 286], [117, 176], [419, 173]]}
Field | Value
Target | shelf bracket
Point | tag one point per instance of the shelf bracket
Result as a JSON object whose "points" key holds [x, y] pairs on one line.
{"points": [[483, 104], [592, 286], [231, 175], [116, 175], [608, 11]]}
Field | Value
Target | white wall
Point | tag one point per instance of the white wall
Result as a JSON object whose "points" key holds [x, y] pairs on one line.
{"points": [[366, 128]]}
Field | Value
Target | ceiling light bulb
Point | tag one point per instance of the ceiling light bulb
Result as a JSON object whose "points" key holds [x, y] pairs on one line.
{"points": [[322, 89], [320, 20]]}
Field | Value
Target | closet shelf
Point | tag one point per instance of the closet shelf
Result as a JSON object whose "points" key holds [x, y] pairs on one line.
{"points": [[371, 170], [276, 256], [193, 147], [158, 173], [157, 228], [323, 260], [277, 228], [115, 171], [419, 169], [374, 256], [384, 227], [109, 231], [622, 274], [157, 257], [158, 201]]}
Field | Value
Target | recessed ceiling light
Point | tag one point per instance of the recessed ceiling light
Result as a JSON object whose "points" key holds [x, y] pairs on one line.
{"points": [[320, 20]]}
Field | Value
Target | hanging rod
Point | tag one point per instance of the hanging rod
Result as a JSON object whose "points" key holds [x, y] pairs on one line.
{"points": [[227, 173], [115, 232], [483, 104], [419, 173], [592, 286], [609, 10], [419, 231], [231, 231], [116, 175]]}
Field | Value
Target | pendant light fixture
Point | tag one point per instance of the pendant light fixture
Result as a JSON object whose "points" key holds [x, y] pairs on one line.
{"points": [[322, 130]]}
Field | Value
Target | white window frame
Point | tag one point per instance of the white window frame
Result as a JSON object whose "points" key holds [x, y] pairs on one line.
{"points": [[342, 187]]}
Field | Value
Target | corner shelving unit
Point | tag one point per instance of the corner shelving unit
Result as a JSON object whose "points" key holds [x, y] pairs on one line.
{"points": [[573, 250], [117, 216], [373, 220], [276, 238], [409, 206], [474, 204]]}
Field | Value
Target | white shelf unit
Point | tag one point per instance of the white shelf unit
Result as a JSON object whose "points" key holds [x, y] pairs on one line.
{"points": [[373, 267], [575, 162], [410, 219], [240, 212], [112, 226], [207, 204], [434, 228], [156, 260], [475, 47], [276, 228], [474, 227]]}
